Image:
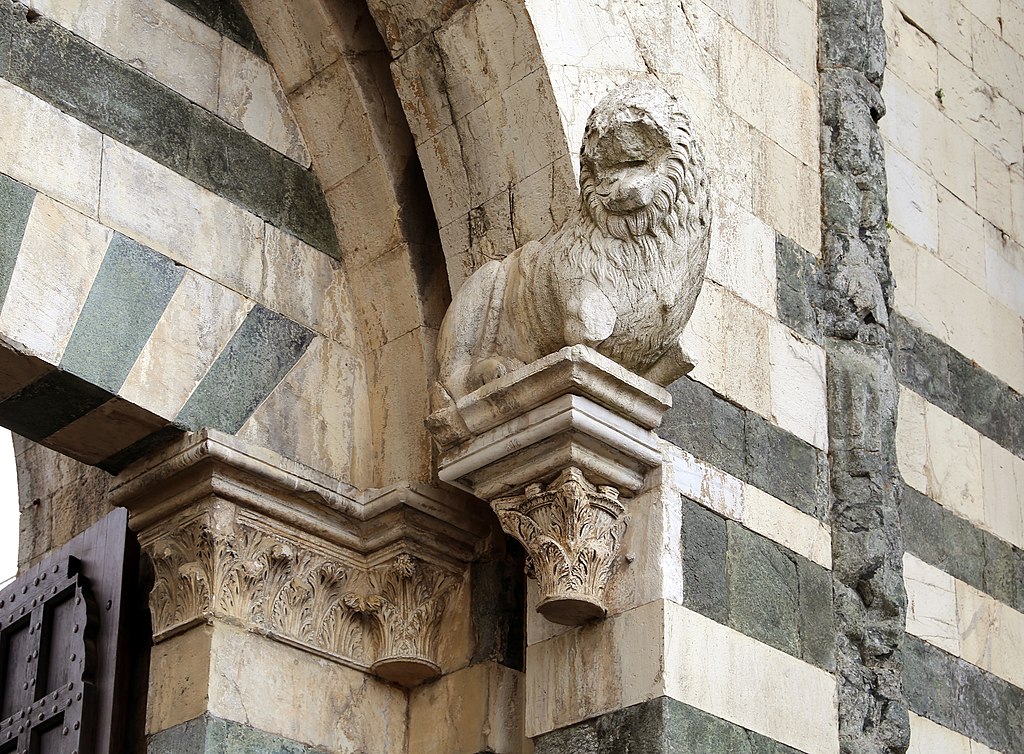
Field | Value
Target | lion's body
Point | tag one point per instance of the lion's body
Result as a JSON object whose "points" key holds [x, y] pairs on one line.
{"points": [[622, 283]]}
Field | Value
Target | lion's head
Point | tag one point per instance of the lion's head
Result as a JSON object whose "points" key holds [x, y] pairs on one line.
{"points": [[642, 171]]}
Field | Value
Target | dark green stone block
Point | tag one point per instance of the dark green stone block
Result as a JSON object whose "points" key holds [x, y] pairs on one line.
{"points": [[226, 17], [15, 206], [763, 590], [817, 625], [49, 404], [705, 545], [783, 465], [260, 353], [798, 289], [130, 293]]}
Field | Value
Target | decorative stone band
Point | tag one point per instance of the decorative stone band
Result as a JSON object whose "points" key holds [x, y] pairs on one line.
{"points": [[552, 446], [243, 536]]}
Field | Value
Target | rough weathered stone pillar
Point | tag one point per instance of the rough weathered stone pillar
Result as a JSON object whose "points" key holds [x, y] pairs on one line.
{"points": [[867, 542], [289, 610]]}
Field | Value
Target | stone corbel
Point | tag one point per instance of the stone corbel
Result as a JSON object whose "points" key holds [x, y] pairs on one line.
{"points": [[553, 447], [242, 536]]}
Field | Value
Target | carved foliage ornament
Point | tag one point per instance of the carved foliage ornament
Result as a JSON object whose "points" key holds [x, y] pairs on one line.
{"points": [[386, 616], [571, 532]]}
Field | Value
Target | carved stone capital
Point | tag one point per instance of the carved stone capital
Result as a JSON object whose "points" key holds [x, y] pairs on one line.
{"points": [[571, 532], [552, 446], [363, 578]]}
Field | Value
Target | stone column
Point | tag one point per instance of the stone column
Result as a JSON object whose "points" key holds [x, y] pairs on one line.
{"points": [[290, 611]]}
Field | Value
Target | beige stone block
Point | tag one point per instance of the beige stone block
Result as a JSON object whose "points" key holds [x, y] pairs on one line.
{"points": [[675, 39], [153, 36], [954, 464], [420, 81], [179, 679], [299, 36], [61, 253], [987, 11], [931, 604], [297, 695], [798, 385], [1004, 268], [903, 263], [911, 55], [476, 709], [785, 28], [595, 669], [722, 671], [447, 176], [912, 440], [585, 33], [69, 169], [251, 98], [787, 194], [769, 96], [178, 218], [927, 737], [485, 49], [707, 485], [1003, 487], [973, 104], [998, 63], [962, 239], [1013, 24], [366, 213], [994, 192], [317, 396], [198, 322], [782, 523], [728, 340], [332, 112], [991, 634], [742, 255], [1017, 203], [988, 336], [948, 23], [307, 286], [913, 201]]}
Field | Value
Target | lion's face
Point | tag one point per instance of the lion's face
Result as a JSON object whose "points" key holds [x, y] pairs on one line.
{"points": [[624, 157]]}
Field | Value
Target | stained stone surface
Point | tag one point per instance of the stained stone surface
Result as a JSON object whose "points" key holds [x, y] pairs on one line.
{"points": [[212, 735]]}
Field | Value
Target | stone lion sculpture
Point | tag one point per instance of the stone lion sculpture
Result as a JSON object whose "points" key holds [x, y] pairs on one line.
{"points": [[621, 275]]}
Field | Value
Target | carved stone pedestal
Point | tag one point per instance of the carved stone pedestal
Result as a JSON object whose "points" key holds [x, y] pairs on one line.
{"points": [[552, 447]]}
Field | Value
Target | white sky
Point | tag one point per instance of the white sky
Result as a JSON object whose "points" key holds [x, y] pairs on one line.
{"points": [[8, 508]]}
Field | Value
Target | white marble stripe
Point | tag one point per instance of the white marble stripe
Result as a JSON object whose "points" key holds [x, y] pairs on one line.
{"points": [[927, 737], [750, 506], [60, 254], [964, 621]]}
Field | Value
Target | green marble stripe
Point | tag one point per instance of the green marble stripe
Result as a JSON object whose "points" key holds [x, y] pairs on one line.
{"points": [[50, 404], [227, 18], [962, 697], [212, 735], [130, 293], [660, 726], [259, 355], [15, 206], [118, 100]]}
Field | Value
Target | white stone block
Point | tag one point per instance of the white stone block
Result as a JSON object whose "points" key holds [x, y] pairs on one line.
{"points": [[1003, 485], [1004, 268], [193, 226], [728, 340], [954, 464], [61, 253], [782, 523], [913, 203], [799, 401], [997, 63], [198, 322], [994, 192], [903, 263], [742, 255], [715, 668], [707, 485], [153, 36], [948, 23], [911, 55], [961, 238], [931, 604], [251, 98], [787, 193], [584, 33], [991, 634], [927, 737], [912, 440], [68, 169]]}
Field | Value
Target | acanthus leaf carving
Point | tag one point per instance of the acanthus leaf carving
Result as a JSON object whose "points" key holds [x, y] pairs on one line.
{"points": [[571, 532]]}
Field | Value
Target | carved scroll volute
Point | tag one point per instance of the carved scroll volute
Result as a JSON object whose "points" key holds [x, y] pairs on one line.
{"points": [[406, 600], [571, 532]]}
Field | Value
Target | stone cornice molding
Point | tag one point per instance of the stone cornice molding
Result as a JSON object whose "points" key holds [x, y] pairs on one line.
{"points": [[240, 535]]}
